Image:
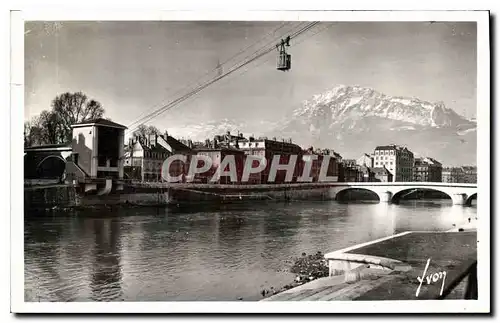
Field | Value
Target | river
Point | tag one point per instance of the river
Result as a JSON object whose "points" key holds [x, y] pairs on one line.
{"points": [[223, 254]]}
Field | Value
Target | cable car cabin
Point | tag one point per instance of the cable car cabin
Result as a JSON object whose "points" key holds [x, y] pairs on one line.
{"points": [[284, 61]]}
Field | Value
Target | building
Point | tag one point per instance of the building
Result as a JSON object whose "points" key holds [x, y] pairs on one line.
{"points": [[144, 157], [382, 174], [398, 160], [350, 172], [349, 162], [365, 160], [217, 155], [451, 175], [464, 174], [98, 149], [367, 174], [427, 170], [469, 174], [268, 148], [229, 140], [318, 157]]}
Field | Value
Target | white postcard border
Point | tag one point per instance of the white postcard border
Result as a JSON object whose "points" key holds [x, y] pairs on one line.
{"points": [[483, 118]]}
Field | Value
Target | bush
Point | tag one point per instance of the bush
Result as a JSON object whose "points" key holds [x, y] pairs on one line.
{"points": [[307, 268]]}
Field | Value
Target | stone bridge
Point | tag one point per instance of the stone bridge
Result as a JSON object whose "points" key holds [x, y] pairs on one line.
{"points": [[460, 193]]}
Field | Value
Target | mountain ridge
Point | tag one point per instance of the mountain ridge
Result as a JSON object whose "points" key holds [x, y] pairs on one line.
{"points": [[353, 120]]}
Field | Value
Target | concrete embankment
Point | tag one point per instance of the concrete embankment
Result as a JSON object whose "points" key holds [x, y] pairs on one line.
{"points": [[68, 196], [40, 197], [389, 269]]}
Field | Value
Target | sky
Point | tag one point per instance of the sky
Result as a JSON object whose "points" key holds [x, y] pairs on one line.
{"points": [[133, 67]]}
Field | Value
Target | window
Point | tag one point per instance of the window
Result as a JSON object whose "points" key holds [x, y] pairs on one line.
{"points": [[391, 163], [376, 152], [392, 152]]}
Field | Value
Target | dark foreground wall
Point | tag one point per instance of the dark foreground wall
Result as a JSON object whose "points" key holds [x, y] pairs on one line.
{"points": [[47, 197], [67, 196]]}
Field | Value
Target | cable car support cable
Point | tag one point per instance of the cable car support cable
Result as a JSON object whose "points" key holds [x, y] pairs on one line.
{"points": [[201, 87], [214, 70]]}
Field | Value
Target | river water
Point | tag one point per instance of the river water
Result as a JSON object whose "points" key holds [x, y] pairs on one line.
{"points": [[151, 254]]}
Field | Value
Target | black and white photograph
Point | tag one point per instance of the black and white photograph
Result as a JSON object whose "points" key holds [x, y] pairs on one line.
{"points": [[275, 161]]}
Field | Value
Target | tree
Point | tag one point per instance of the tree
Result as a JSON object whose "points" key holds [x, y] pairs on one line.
{"points": [[27, 134], [40, 130], [144, 131], [71, 108], [54, 126]]}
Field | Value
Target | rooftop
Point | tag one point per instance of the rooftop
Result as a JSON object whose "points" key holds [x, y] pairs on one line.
{"points": [[175, 144], [99, 122], [48, 147], [390, 147], [380, 170], [222, 148]]}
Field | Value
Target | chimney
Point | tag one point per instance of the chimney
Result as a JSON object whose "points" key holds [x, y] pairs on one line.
{"points": [[152, 140]]}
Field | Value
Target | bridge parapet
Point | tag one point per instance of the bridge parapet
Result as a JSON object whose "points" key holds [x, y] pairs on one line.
{"points": [[460, 193]]}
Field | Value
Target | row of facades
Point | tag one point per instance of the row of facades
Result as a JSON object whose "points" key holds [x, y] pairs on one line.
{"points": [[144, 159]]}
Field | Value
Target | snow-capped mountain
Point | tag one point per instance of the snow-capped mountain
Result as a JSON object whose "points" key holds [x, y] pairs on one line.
{"points": [[353, 102], [353, 120]]}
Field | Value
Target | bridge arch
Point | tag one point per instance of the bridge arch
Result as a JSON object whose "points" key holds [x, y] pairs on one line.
{"points": [[343, 194], [51, 167], [470, 198], [398, 194]]}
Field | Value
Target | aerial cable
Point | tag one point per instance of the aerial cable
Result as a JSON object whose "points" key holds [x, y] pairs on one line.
{"points": [[200, 88], [146, 118], [142, 119], [218, 67], [295, 45]]}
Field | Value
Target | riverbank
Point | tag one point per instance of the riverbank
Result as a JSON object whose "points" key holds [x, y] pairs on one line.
{"points": [[69, 196], [388, 268]]}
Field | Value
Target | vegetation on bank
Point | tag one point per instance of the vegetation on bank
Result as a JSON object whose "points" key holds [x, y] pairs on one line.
{"points": [[307, 268]]}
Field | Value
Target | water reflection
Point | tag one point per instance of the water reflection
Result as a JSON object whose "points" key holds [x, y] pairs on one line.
{"points": [[384, 220], [220, 254], [105, 281]]}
